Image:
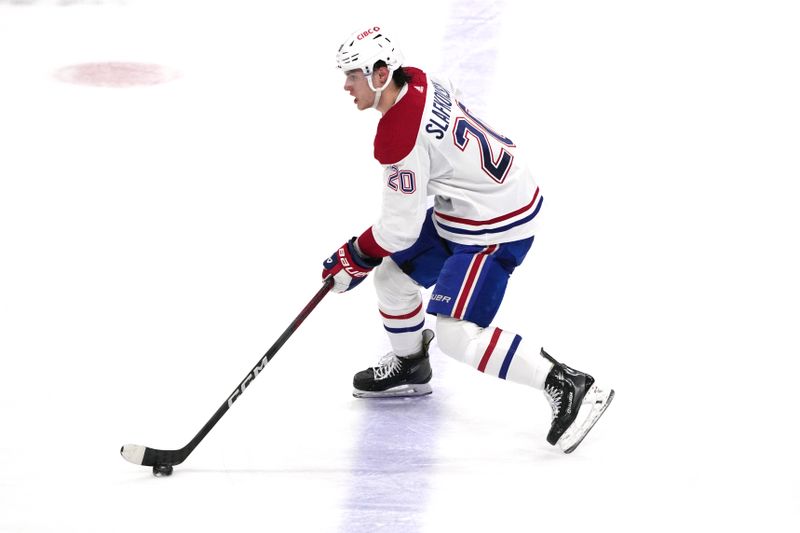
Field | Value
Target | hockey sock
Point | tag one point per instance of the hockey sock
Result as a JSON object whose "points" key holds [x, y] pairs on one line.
{"points": [[405, 329], [400, 305], [493, 351]]}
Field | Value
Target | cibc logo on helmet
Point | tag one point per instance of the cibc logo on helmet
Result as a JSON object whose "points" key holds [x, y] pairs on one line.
{"points": [[368, 32]]}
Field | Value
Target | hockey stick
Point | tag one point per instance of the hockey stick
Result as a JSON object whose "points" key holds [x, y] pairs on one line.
{"points": [[162, 461]]}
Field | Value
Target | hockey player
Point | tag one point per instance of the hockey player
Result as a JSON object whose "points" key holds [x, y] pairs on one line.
{"points": [[482, 224]]}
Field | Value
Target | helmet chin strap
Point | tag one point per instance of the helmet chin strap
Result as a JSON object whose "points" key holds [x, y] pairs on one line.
{"points": [[378, 92]]}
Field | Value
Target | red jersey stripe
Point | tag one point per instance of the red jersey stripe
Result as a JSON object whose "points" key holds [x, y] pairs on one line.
{"points": [[491, 220], [369, 246]]}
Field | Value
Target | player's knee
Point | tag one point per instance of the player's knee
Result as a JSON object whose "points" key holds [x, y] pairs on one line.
{"points": [[387, 275], [456, 337], [394, 287]]}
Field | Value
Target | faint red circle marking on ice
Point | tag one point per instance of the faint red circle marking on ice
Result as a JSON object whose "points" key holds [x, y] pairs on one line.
{"points": [[116, 74]]}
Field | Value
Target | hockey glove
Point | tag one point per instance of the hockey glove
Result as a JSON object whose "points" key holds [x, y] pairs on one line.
{"points": [[348, 267]]}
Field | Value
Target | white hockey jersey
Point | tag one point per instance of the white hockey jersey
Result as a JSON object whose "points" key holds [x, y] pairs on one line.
{"points": [[430, 144]]}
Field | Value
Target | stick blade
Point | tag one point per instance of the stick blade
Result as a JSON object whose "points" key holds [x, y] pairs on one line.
{"points": [[142, 455], [134, 453]]}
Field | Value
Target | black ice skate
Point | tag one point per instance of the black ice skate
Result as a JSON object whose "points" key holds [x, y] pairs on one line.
{"points": [[577, 404], [395, 377]]}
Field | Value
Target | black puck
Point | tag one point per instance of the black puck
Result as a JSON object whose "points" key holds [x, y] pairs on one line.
{"points": [[162, 470]]}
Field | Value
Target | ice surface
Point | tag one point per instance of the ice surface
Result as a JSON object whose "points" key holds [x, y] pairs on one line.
{"points": [[156, 239]]}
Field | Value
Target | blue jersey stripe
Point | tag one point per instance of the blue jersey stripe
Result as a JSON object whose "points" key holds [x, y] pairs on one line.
{"points": [[494, 230], [509, 356]]}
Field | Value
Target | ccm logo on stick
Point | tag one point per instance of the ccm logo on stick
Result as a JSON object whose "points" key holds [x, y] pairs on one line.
{"points": [[368, 32], [250, 377]]}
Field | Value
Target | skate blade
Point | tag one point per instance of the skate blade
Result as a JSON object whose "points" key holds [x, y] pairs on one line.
{"points": [[596, 401], [401, 391]]}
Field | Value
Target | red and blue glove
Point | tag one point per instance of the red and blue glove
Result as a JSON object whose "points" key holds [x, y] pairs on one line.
{"points": [[348, 267]]}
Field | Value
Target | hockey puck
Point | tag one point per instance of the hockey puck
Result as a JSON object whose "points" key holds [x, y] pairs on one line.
{"points": [[162, 470]]}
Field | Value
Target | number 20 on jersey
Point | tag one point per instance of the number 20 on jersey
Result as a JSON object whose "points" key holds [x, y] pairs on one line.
{"points": [[401, 180]]}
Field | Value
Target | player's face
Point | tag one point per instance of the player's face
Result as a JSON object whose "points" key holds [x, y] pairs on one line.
{"points": [[356, 84]]}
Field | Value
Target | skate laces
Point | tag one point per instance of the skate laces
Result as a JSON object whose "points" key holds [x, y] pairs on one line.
{"points": [[387, 366], [554, 397]]}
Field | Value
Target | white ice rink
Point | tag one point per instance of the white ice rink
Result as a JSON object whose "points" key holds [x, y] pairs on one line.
{"points": [[155, 240]]}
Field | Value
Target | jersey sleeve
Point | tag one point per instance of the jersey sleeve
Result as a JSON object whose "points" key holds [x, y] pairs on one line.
{"points": [[403, 208]]}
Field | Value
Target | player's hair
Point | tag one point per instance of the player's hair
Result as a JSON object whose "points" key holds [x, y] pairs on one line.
{"points": [[400, 77]]}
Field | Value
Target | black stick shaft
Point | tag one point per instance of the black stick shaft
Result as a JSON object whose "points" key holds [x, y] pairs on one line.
{"points": [[186, 450]]}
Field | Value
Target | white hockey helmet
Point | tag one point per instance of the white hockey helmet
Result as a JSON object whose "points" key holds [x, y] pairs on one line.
{"points": [[363, 48]]}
